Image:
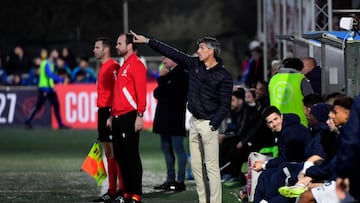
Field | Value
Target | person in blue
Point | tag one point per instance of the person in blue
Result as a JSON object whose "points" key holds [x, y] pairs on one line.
{"points": [[292, 139], [83, 73], [3, 74], [47, 79], [319, 151], [326, 171], [34, 72], [169, 122], [348, 159], [313, 73]]}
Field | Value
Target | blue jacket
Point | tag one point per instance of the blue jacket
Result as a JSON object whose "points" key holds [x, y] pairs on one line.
{"points": [[320, 140], [348, 156], [210, 91], [314, 77], [327, 147], [292, 141]]}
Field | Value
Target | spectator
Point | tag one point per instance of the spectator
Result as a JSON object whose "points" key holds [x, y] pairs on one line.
{"points": [[239, 139], [62, 69], [210, 88], [34, 72], [259, 135], [275, 66], [288, 87], [250, 97], [68, 58], [313, 73], [255, 69], [83, 73], [17, 67], [262, 95], [3, 74], [169, 121]]}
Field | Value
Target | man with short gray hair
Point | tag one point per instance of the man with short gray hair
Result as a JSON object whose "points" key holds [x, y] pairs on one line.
{"points": [[209, 97]]}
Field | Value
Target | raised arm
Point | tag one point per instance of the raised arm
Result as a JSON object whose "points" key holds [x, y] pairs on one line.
{"points": [[166, 50]]}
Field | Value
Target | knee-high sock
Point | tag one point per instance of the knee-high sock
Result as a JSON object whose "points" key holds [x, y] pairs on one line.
{"points": [[120, 178], [112, 175]]}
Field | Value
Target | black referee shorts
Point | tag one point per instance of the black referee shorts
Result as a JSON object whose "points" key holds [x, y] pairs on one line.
{"points": [[104, 133]]}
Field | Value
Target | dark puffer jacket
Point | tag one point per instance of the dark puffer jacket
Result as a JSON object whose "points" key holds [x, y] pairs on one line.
{"points": [[210, 91]]}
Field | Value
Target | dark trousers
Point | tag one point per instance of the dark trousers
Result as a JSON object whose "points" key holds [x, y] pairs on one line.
{"points": [[42, 97], [230, 153], [126, 150], [270, 180]]}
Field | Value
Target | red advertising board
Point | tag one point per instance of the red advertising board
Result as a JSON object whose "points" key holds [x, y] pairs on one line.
{"points": [[78, 106]]}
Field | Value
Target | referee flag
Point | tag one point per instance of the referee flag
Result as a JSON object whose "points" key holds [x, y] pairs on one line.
{"points": [[94, 165]]}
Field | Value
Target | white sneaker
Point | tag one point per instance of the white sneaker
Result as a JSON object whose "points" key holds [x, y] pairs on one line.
{"points": [[263, 201]]}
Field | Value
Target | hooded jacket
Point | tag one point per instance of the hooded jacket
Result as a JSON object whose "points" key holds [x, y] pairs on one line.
{"points": [[292, 141]]}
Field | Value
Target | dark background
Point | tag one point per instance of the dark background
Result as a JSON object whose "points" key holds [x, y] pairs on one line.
{"points": [[77, 23]]}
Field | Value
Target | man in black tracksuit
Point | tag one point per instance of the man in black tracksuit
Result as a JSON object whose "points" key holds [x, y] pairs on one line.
{"points": [[209, 97]]}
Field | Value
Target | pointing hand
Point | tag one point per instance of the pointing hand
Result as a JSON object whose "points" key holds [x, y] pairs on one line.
{"points": [[139, 38]]}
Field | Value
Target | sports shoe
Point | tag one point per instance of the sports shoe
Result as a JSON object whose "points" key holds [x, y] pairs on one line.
{"points": [[292, 191], [178, 187], [28, 125], [165, 186], [119, 199], [104, 198], [64, 127]]}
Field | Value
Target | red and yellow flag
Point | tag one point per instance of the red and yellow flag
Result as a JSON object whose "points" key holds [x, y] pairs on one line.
{"points": [[94, 165]]}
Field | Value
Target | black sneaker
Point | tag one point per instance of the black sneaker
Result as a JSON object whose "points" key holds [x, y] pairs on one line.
{"points": [[64, 127], [165, 186], [104, 198], [179, 186], [120, 199], [28, 125]]}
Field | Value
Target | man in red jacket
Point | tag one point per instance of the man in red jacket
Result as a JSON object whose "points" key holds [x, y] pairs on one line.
{"points": [[128, 106], [105, 88]]}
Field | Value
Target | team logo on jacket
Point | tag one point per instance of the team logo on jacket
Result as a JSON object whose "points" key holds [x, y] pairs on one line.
{"points": [[124, 72], [283, 92]]}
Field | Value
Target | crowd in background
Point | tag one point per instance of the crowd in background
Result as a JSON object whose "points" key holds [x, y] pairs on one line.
{"points": [[19, 68]]}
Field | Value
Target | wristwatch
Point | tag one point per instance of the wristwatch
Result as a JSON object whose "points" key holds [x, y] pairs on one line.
{"points": [[140, 114]]}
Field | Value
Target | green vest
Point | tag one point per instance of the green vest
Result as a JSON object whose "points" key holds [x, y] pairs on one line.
{"points": [[285, 93], [44, 80]]}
